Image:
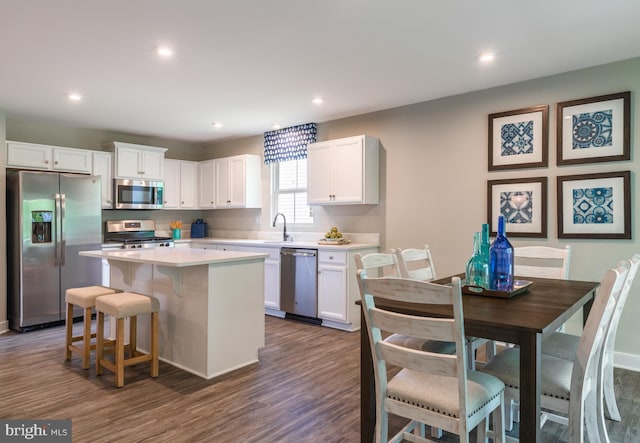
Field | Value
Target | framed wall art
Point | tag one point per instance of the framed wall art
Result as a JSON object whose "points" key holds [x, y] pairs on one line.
{"points": [[595, 206], [522, 202], [519, 139], [594, 129]]}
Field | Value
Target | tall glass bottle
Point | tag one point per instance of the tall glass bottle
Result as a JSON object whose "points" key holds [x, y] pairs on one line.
{"points": [[486, 244], [501, 260], [477, 271]]}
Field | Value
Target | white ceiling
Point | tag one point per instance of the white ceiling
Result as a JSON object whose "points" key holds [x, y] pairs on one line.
{"points": [[252, 63]]}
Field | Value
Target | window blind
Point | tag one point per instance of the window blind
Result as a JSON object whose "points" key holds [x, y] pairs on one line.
{"points": [[288, 143]]}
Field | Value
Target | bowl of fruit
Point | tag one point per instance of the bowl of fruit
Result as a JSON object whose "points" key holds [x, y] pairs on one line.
{"points": [[334, 236]]}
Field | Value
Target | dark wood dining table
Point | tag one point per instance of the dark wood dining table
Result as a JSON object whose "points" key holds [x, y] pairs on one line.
{"points": [[525, 319]]}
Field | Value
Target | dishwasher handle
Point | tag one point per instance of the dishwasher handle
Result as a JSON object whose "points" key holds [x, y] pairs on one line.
{"points": [[298, 253]]}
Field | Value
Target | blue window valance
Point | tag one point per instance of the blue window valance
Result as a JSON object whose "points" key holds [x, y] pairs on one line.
{"points": [[288, 143]]}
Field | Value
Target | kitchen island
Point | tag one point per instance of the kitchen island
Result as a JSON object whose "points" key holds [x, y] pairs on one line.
{"points": [[211, 304]]}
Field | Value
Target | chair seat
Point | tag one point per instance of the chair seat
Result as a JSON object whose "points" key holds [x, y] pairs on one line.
{"points": [[127, 304], [561, 345], [86, 296], [555, 377], [440, 394]]}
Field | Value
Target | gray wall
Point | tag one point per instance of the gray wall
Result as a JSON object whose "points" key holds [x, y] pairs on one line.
{"points": [[434, 177]]}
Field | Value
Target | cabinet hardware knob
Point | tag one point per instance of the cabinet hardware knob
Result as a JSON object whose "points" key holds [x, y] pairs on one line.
{"points": [[46, 162]]}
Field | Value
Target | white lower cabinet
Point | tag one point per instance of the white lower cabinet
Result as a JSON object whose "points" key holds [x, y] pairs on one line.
{"points": [[271, 276], [338, 288]]}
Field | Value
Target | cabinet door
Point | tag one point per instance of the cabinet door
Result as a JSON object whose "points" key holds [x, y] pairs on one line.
{"points": [[237, 182], [223, 180], [188, 184], [207, 179], [171, 184], [272, 284], [332, 292], [29, 156], [347, 171], [102, 167], [128, 162], [72, 160], [152, 163], [319, 173]]}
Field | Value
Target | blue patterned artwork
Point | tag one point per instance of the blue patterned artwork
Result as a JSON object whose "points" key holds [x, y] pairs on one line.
{"points": [[516, 138], [593, 205], [517, 207], [593, 129]]}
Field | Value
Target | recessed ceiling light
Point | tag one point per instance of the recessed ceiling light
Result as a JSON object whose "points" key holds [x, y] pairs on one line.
{"points": [[164, 51], [217, 125], [74, 97], [487, 57], [317, 100], [275, 126]]}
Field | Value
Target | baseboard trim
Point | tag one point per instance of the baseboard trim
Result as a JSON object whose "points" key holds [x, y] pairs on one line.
{"points": [[626, 361], [4, 326]]}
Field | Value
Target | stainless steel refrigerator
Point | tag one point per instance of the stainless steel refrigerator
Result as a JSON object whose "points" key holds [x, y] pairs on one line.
{"points": [[50, 217]]}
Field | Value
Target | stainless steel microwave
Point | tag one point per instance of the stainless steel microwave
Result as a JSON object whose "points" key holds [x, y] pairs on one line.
{"points": [[138, 194]]}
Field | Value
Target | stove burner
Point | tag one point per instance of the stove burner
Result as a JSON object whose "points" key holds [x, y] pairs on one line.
{"points": [[135, 234]]}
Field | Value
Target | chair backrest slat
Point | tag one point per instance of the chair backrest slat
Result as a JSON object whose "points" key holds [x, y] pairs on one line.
{"points": [[542, 262], [416, 263], [378, 264], [439, 364]]}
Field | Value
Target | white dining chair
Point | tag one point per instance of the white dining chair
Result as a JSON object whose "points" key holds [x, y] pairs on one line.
{"points": [[430, 388], [564, 345], [570, 387], [417, 263]]}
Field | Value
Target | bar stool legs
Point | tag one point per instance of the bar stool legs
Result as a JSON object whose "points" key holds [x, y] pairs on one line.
{"points": [[84, 297], [121, 306]]}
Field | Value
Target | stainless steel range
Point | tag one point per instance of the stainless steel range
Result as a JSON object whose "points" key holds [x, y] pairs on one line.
{"points": [[129, 234]]}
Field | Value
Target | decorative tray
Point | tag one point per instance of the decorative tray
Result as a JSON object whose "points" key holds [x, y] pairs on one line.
{"points": [[333, 241], [519, 286]]}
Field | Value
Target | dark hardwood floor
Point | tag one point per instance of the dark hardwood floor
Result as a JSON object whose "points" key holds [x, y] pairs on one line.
{"points": [[304, 389]]}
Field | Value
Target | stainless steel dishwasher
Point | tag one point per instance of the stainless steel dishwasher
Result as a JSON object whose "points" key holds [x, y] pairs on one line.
{"points": [[299, 284]]}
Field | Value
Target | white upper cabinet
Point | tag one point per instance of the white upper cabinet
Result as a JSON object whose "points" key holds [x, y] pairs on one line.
{"points": [[207, 181], [343, 171], [48, 158], [102, 162], [138, 161], [238, 181], [180, 184]]}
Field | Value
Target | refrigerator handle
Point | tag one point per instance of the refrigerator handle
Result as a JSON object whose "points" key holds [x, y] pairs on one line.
{"points": [[58, 225], [63, 240]]}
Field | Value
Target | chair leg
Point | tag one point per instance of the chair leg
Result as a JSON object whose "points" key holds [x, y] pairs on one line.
{"points": [[119, 359], [133, 334], [609, 392], [155, 321], [69, 331], [99, 342], [86, 339], [498, 422]]}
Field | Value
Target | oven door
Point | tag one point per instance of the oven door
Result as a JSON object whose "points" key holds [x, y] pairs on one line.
{"points": [[138, 194]]}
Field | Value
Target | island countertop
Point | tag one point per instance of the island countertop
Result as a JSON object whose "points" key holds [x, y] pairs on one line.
{"points": [[174, 257]]}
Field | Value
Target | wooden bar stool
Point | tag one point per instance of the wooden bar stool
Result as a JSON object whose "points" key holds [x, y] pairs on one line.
{"points": [[85, 297], [120, 306]]}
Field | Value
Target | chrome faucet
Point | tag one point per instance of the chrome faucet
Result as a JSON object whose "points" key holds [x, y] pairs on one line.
{"points": [[285, 236]]}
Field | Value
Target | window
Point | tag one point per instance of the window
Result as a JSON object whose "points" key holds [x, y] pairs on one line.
{"points": [[290, 191]]}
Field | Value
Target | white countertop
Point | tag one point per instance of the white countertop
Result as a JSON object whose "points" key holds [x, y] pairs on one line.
{"points": [[276, 243], [174, 257]]}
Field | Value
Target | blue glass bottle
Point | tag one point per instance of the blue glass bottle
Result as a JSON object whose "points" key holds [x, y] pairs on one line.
{"points": [[501, 260], [477, 271]]}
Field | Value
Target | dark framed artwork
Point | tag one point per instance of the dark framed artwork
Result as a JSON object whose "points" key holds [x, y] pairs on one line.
{"points": [[595, 129], [519, 139], [595, 205], [522, 202]]}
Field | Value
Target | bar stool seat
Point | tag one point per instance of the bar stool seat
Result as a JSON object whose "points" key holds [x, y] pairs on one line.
{"points": [[85, 297], [120, 306]]}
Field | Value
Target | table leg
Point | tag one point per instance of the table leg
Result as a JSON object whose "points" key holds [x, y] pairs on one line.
{"points": [[530, 387], [367, 386]]}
